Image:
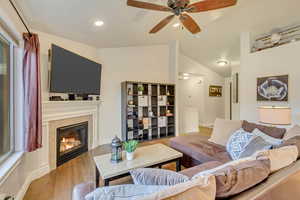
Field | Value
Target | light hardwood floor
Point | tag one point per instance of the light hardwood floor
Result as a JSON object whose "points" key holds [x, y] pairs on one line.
{"points": [[58, 184]]}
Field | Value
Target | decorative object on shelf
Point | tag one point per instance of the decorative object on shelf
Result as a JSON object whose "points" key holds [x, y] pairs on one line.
{"points": [[276, 37], [272, 88], [235, 88], [275, 115], [169, 113], [130, 146], [215, 91], [130, 103], [129, 92], [168, 93], [140, 90], [116, 150], [143, 101], [162, 100], [150, 113]]}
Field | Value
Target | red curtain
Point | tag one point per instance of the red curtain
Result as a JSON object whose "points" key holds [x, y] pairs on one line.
{"points": [[32, 93]]}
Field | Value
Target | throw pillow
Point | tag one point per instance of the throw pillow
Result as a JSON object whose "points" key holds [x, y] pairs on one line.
{"points": [[256, 143], [223, 129], [237, 176], [237, 142], [279, 158], [203, 188], [269, 139], [271, 131], [292, 141], [150, 176], [122, 192], [295, 131]]}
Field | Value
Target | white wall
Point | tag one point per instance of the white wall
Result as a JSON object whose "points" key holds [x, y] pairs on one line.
{"points": [[276, 61], [148, 63], [194, 96]]}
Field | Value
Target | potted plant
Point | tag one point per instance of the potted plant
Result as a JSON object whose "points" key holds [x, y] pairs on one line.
{"points": [[130, 146], [140, 90]]}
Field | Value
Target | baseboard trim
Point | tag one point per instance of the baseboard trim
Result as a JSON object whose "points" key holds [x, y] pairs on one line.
{"points": [[38, 173]]}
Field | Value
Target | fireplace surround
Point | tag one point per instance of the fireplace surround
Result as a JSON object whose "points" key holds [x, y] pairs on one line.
{"points": [[71, 141]]}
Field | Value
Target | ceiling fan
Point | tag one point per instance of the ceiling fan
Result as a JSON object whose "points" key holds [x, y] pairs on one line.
{"points": [[181, 8]]}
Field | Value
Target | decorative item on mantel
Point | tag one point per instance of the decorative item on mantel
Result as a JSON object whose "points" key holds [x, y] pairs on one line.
{"points": [[116, 150], [276, 37], [130, 146]]}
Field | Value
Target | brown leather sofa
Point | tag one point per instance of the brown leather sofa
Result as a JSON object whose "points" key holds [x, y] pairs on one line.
{"points": [[197, 150]]}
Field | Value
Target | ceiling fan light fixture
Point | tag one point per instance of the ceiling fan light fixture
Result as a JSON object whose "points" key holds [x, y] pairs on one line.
{"points": [[176, 25]]}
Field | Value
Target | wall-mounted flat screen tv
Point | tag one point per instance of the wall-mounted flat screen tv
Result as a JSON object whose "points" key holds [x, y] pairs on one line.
{"points": [[73, 74]]}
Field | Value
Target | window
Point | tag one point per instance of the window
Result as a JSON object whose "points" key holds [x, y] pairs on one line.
{"points": [[6, 136]]}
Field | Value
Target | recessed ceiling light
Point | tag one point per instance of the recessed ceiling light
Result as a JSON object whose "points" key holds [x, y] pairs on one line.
{"points": [[222, 63], [176, 25], [186, 78], [98, 23], [185, 74]]}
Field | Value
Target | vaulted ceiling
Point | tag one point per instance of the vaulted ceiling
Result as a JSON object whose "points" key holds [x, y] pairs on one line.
{"points": [[127, 26]]}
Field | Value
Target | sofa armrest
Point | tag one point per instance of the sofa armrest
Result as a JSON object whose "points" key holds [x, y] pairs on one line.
{"points": [[190, 172], [81, 190]]}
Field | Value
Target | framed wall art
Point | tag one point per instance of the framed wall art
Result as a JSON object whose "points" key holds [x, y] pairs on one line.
{"points": [[273, 88], [215, 91]]}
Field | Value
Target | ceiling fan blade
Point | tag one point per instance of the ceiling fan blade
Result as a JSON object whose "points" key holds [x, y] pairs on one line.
{"points": [[189, 23], [146, 5], [209, 5], [162, 24]]}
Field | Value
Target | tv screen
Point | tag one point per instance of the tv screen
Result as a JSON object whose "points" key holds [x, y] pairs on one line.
{"points": [[71, 73]]}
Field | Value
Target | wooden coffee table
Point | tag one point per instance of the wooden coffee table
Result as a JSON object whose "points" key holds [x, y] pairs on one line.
{"points": [[149, 156]]}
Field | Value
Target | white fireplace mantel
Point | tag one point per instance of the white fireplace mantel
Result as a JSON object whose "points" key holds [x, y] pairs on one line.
{"points": [[58, 110]]}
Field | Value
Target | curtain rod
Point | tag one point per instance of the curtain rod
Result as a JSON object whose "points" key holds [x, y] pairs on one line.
{"points": [[23, 22]]}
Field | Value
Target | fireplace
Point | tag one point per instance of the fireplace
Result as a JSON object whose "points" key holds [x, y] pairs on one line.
{"points": [[71, 142]]}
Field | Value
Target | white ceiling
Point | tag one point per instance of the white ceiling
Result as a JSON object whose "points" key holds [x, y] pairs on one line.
{"points": [[127, 26]]}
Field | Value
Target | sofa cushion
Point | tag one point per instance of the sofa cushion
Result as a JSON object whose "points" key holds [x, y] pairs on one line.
{"points": [[150, 176], [294, 131], [280, 157], [203, 188], [271, 131], [122, 192], [237, 176], [223, 129], [237, 142], [199, 148], [190, 172], [292, 141]]}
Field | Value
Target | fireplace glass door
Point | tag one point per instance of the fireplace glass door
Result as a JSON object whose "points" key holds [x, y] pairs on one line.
{"points": [[71, 142]]}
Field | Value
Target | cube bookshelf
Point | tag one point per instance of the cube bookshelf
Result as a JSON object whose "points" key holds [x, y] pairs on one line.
{"points": [[148, 110]]}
